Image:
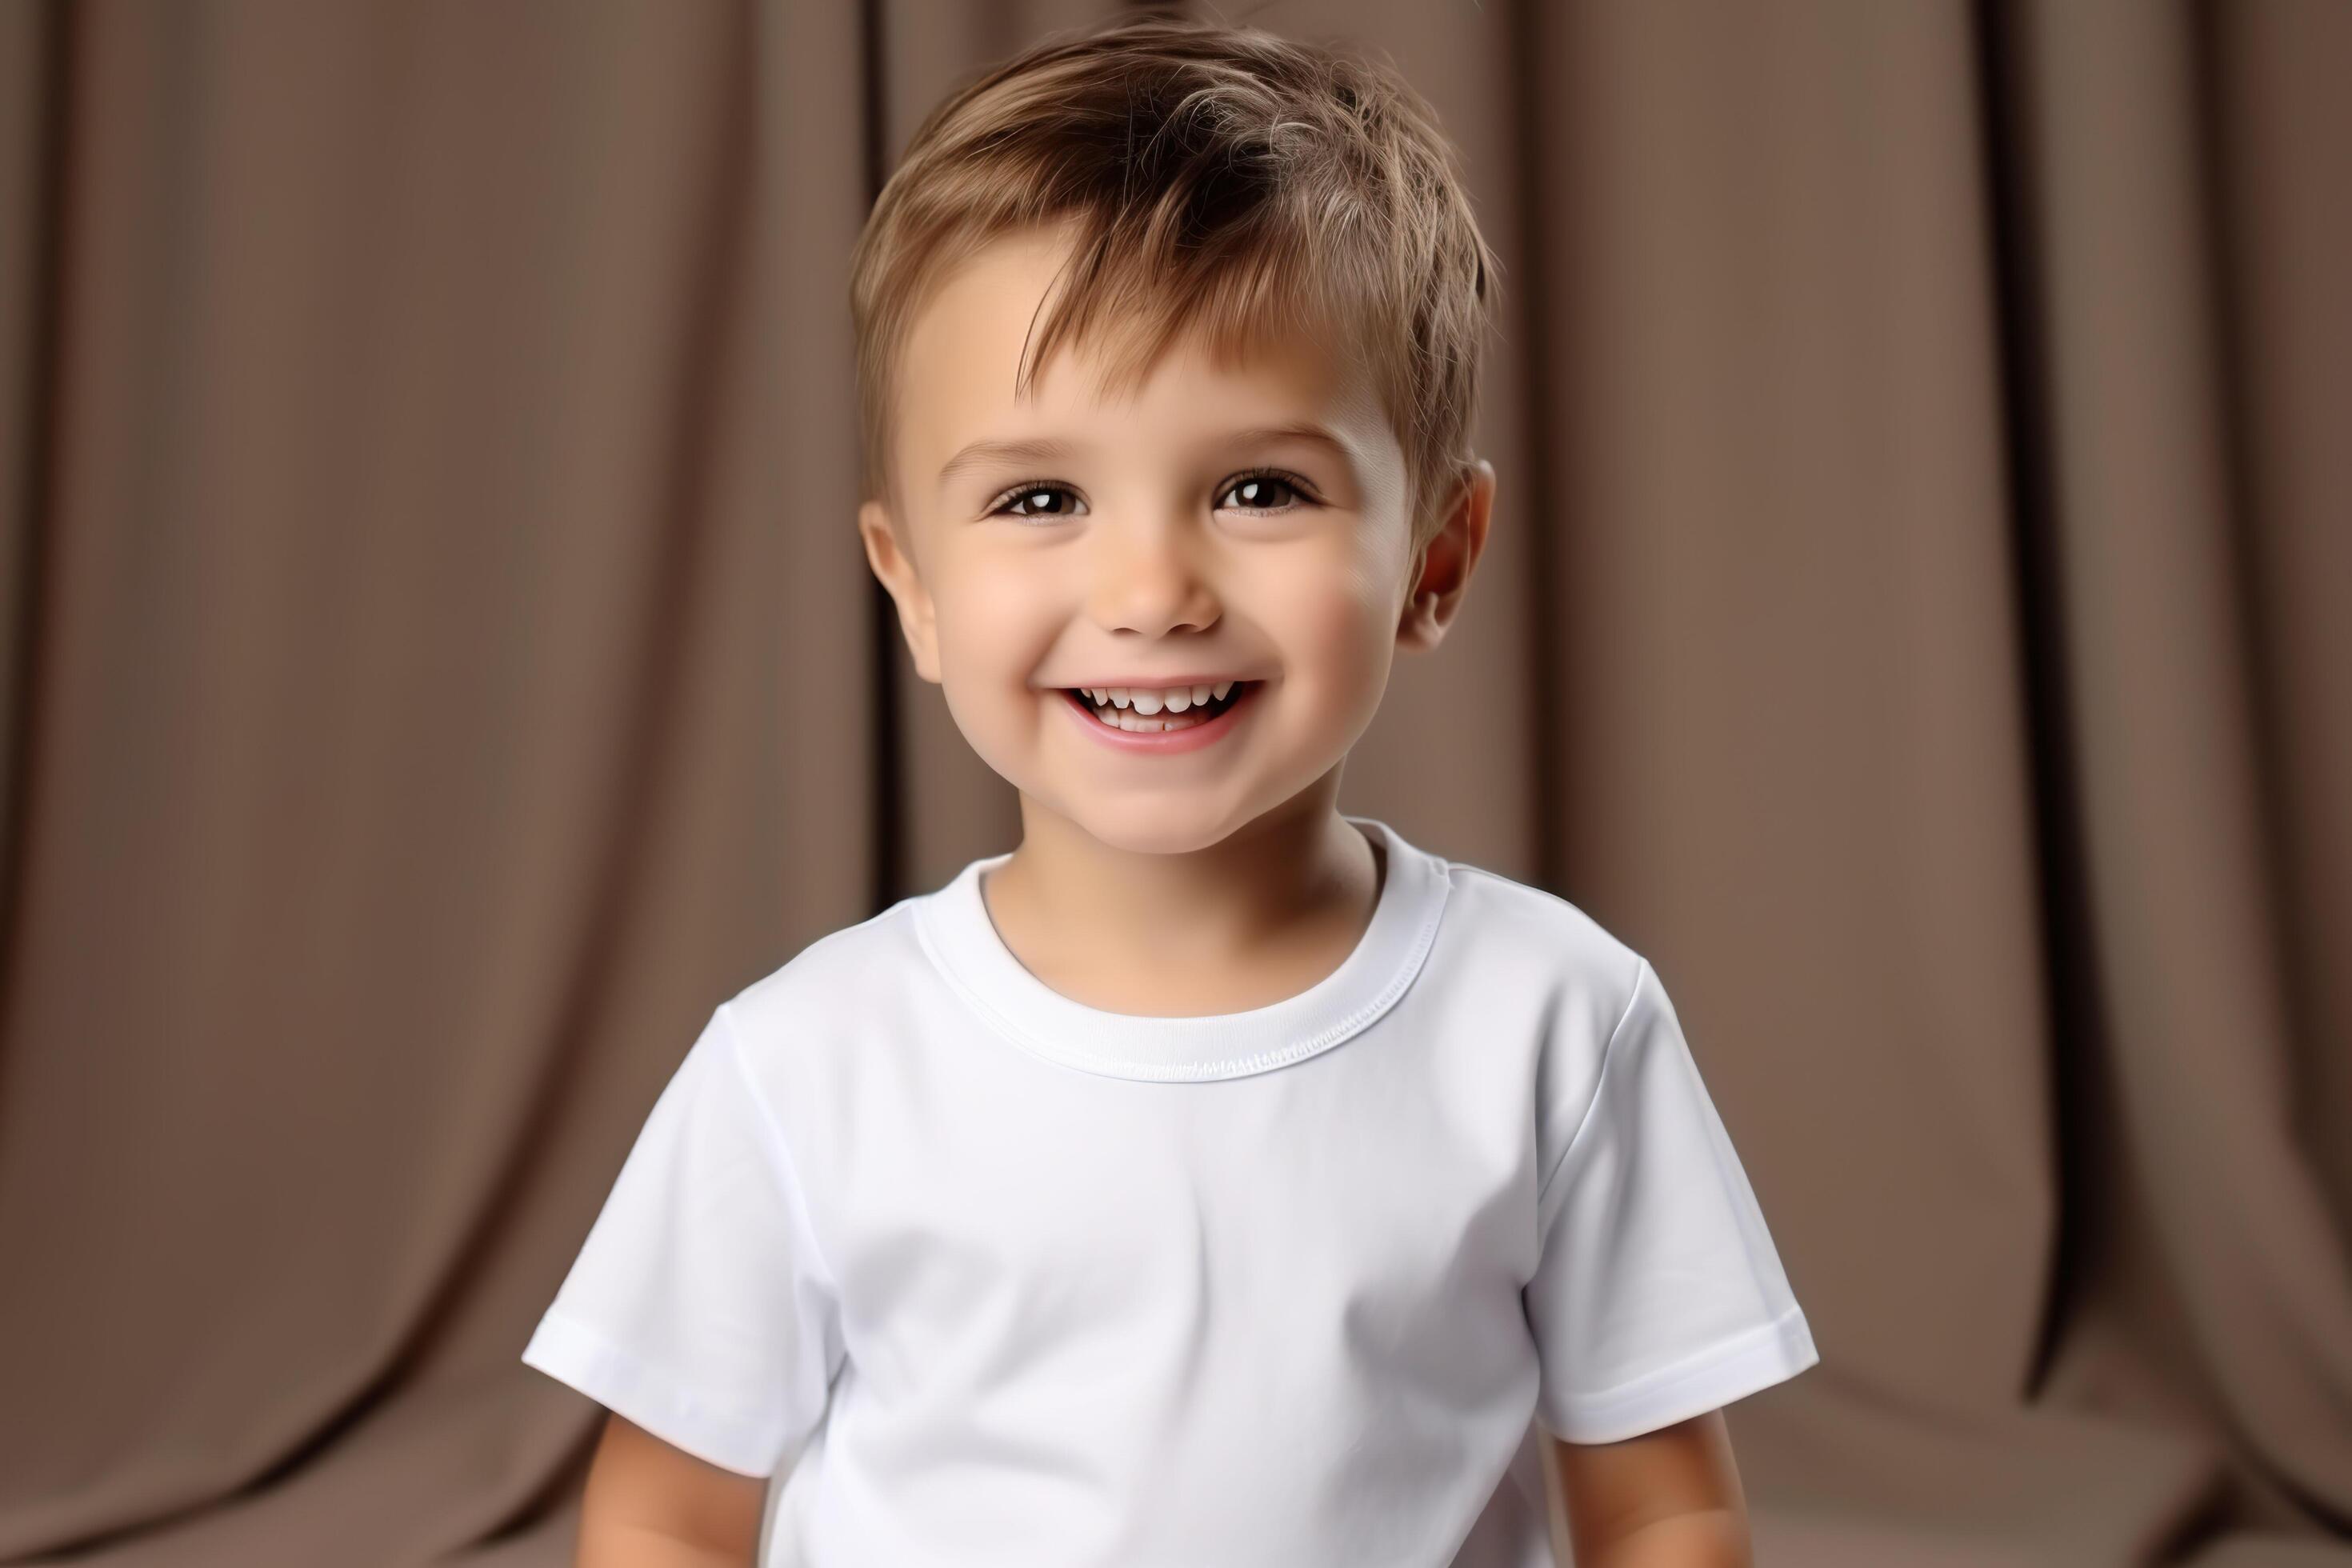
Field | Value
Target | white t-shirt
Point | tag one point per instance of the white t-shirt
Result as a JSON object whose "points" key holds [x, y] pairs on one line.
{"points": [[1006, 1279]]}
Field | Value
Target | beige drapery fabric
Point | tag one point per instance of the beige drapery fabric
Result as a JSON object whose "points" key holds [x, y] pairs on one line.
{"points": [[438, 664]]}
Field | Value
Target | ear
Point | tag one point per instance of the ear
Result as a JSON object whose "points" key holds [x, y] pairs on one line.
{"points": [[896, 568], [1441, 573]]}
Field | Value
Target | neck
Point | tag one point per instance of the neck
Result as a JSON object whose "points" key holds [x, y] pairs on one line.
{"points": [[1295, 875]]}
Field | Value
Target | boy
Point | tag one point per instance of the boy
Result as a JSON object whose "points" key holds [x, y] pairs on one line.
{"points": [[1217, 1179]]}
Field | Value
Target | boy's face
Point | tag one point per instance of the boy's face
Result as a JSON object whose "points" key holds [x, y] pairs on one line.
{"points": [[1141, 550]]}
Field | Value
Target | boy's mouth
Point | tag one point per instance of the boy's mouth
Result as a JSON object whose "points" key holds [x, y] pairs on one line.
{"points": [[1125, 715]]}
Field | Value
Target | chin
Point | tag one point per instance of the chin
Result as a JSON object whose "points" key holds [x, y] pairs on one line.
{"points": [[1150, 827]]}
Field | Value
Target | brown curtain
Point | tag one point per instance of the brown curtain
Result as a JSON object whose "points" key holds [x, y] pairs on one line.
{"points": [[436, 663]]}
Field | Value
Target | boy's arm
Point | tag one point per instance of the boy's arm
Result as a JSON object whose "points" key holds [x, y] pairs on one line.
{"points": [[651, 1505], [1667, 1499]]}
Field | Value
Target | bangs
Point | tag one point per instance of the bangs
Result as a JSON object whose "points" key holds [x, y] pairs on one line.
{"points": [[1128, 301]]}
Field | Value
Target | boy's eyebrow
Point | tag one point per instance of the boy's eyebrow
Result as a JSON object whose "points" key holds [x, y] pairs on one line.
{"points": [[980, 454], [1050, 449]]}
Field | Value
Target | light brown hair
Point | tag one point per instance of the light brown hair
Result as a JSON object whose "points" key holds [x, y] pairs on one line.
{"points": [[1213, 178]]}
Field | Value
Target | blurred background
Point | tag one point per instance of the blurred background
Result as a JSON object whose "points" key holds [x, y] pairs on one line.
{"points": [[436, 665]]}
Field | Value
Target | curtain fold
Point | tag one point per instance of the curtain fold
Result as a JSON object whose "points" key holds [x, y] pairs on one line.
{"points": [[439, 665], [421, 594], [2205, 1226]]}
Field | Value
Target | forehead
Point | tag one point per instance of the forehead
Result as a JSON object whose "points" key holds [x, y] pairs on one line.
{"points": [[963, 351]]}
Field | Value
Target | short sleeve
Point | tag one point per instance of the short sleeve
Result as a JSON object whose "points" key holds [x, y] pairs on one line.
{"points": [[698, 1307], [1657, 1295]]}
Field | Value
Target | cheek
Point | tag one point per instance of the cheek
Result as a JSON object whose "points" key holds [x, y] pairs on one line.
{"points": [[1335, 619], [996, 627], [994, 635]]}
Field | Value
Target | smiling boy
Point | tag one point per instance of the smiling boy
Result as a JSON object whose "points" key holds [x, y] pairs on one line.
{"points": [[1216, 1178]]}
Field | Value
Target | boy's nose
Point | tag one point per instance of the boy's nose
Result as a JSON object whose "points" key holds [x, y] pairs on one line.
{"points": [[1152, 581]]}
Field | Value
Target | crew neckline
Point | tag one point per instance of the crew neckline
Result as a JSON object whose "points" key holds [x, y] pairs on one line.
{"points": [[955, 928]]}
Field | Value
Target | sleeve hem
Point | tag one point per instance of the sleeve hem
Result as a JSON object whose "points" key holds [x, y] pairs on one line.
{"points": [[1731, 1369], [576, 1354]]}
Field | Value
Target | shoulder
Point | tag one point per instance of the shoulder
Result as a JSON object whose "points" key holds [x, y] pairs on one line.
{"points": [[839, 985], [1532, 955], [1542, 938]]}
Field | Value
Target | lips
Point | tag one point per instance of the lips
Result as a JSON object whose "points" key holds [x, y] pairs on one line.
{"points": [[1152, 682], [1155, 734], [1192, 713]]}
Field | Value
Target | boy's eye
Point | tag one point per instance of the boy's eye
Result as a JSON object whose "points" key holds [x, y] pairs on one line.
{"points": [[1267, 492], [1259, 491], [1029, 496]]}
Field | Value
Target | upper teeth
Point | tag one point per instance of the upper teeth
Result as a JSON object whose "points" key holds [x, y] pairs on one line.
{"points": [[1175, 699]]}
